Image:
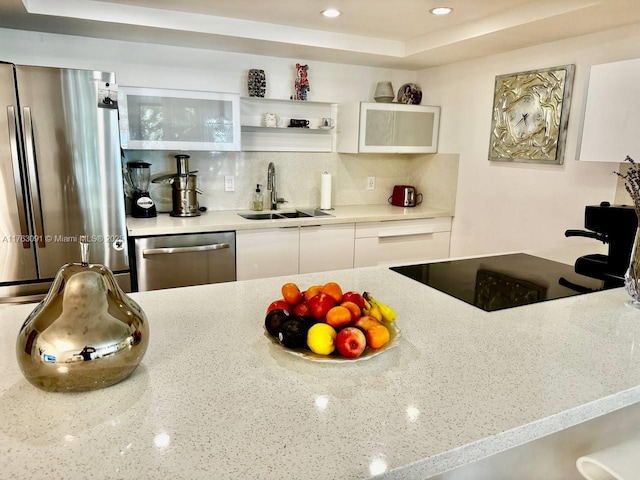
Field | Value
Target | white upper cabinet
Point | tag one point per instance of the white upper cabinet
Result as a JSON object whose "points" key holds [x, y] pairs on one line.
{"points": [[611, 123], [162, 119], [387, 128]]}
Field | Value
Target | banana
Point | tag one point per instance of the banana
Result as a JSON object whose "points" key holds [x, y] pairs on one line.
{"points": [[388, 313], [375, 312]]}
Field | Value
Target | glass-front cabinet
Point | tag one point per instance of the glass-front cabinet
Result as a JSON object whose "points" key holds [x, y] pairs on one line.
{"points": [[163, 119], [387, 128]]}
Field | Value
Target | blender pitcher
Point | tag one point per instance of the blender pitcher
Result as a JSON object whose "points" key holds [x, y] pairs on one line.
{"points": [[138, 177]]}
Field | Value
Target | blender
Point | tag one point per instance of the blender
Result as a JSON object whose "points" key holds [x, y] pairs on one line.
{"points": [[138, 177]]}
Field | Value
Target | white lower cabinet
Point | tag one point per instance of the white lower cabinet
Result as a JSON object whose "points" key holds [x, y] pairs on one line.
{"points": [[274, 252], [267, 252], [401, 241], [326, 247]]}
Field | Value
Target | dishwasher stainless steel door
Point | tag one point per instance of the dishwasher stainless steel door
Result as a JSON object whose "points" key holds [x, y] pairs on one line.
{"points": [[181, 260]]}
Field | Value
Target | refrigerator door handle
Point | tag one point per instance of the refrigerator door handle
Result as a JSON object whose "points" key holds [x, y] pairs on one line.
{"points": [[15, 161], [33, 176]]}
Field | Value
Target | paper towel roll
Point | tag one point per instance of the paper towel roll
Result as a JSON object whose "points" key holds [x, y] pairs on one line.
{"points": [[325, 191], [620, 462]]}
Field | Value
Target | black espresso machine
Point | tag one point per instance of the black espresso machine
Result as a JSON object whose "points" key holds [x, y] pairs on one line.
{"points": [[614, 225]]}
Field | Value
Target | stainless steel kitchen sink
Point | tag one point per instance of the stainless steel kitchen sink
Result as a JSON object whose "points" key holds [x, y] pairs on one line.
{"points": [[302, 213], [260, 216]]}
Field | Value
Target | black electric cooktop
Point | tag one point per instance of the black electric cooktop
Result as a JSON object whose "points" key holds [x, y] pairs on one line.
{"points": [[505, 281]]}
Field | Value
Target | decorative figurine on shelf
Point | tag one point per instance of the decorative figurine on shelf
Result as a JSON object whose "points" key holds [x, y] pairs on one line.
{"points": [[256, 83], [302, 82]]}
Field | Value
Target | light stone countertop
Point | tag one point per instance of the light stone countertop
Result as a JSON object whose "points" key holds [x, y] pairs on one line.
{"points": [[215, 399], [225, 220]]}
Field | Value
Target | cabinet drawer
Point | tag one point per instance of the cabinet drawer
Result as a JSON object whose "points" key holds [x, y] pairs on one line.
{"points": [[403, 228], [401, 249]]}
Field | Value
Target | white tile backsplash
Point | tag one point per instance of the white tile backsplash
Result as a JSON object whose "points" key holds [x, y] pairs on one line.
{"points": [[298, 177]]}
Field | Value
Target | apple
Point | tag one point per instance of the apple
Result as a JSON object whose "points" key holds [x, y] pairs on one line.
{"points": [[366, 322], [354, 297], [350, 342], [279, 304], [302, 310], [320, 304]]}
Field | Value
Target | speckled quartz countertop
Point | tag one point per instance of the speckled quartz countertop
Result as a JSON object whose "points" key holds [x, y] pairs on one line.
{"points": [[221, 220], [215, 399]]}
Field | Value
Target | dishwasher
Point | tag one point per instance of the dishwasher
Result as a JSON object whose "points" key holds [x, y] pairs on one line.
{"points": [[170, 261]]}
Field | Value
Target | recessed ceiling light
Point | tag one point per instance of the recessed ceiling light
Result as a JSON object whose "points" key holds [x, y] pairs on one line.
{"points": [[331, 13], [441, 10]]}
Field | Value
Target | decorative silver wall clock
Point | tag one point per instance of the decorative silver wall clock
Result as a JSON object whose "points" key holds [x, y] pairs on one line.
{"points": [[530, 115]]}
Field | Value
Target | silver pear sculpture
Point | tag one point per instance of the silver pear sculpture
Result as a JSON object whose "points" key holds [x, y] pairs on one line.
{"points": [[86, 334]]}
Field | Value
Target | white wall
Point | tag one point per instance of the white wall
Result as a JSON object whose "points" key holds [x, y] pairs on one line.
{"points": [[139, 64], [507, 207]]}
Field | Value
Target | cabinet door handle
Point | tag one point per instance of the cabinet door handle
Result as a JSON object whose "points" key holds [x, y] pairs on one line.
{"points": [[426, 231], [168, 250], [309, 226]]}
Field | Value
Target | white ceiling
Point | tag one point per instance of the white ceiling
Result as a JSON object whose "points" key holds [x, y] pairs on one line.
{"points": [[397, 34]]}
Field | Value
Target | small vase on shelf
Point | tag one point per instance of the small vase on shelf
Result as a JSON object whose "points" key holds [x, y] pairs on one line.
{"points": [[256, 83], [384, 92]]}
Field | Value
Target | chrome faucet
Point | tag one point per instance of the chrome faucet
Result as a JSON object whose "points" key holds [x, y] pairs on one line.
{"points": [[271, 185]]}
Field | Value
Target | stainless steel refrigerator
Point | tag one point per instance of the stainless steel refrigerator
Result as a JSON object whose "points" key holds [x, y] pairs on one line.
{"points": [[60, 176]]}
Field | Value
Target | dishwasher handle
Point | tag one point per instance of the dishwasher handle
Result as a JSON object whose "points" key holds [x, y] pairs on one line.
{"points": [[198, 248]]}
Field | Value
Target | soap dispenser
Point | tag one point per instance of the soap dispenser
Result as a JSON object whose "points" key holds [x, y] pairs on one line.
{"points": [[258, 199]]}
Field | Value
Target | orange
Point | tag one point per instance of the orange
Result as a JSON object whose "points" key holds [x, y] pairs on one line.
{"points": [[291, 293], [338, 317], [377, 336], [334, 291], [312, 291], [354, 309]]}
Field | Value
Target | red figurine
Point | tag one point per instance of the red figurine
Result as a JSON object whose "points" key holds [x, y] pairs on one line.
{"points": [[302, 82]]}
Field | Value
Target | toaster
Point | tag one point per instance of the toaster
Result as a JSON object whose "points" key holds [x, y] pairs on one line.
{"points": [[405, 196]]}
